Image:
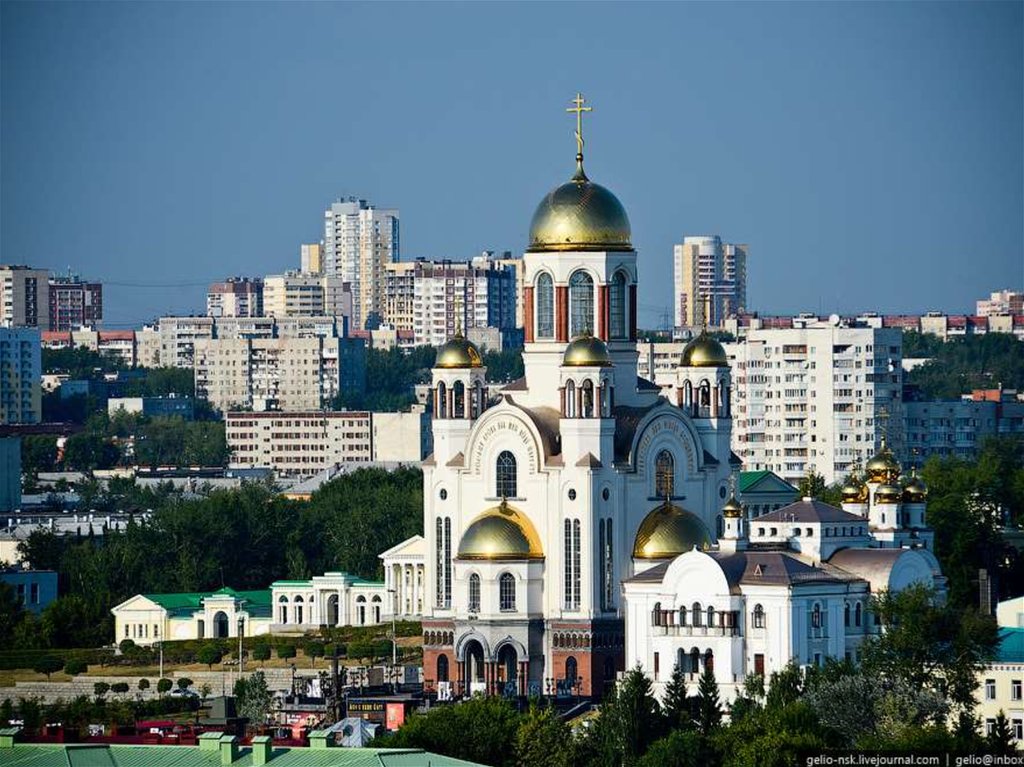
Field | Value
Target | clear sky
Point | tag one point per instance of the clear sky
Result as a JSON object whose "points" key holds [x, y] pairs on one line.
{"points": [[870, 154]]}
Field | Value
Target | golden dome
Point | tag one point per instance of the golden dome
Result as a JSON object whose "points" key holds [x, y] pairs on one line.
{"points": [[854, 490], [579, 215], [586, 351], [732, 508], [669, 531], [458, 352], [916, 490], [704, 352], [883, 467], [887, 494], [500, 533]]}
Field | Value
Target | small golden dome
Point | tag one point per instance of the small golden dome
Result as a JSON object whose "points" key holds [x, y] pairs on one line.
{"points": [[500, 533], [586, 351], [580, 215], [669, 531], [732, 508], [883, 467], [887, 494], [458, 352], [704, 352], [854, 491], [916, 490]]}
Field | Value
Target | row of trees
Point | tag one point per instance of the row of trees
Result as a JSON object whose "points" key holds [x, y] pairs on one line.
{"points": [[245, 538], [915, 678], [82, 711], [959, 365]]}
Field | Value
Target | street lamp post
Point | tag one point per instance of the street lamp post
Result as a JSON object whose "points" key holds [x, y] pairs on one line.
{"points": [[160, 646], [394, 640]]}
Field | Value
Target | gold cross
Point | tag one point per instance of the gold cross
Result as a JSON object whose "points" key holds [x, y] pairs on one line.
{"points": [[579, 109]]}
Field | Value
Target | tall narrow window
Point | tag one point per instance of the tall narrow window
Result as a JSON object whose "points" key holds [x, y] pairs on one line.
{"points": [[664, 474], [567, 564], [758, 617], [474, 593], [545, 307], [617, 306], [576, 563], [439, 570], [507, 592], [581, 304], [607, 565], [571, 569], [447, 561], [505, 484]]}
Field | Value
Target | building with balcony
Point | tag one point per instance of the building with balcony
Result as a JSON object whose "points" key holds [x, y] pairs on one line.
{"points": [[710, 281], [235, 297], [24, 297], [21, 392], [75, 303]]}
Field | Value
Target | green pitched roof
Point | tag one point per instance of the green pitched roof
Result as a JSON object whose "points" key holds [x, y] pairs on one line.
{"points": [[749, 479], [185, 602], [46, 755], [1011, 645]]}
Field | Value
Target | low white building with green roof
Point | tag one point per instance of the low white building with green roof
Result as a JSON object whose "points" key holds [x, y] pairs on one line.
{"points": [[149, 618], [331, 599], [764, 491]]}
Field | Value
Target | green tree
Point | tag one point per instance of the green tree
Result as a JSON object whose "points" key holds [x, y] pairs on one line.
{"points": [[313, 650], [973, 362], [47, 664], [11, 614], [163, 686], [254, 699], [101, 689], [261, 652], [143, 685], [286, 651], [1000, 739], [543, 740], [119, 688], [209, 654], [634, 716], [709, 706], [812, 485], [784, 687], [38, 453], [680, 748], [675, 702], [74, 667], [184, 683]]}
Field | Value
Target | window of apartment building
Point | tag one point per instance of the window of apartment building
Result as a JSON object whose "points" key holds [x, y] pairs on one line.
{"points": [[990, 689], [1018, 729], [1015, 689]]}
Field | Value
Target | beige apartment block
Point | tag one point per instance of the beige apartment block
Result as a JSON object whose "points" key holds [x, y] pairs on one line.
{"points": [[24, 297]]}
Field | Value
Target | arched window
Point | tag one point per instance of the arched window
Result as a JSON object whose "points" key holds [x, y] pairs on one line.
{"points": [[474, 593], [846, 615], [816, 616], [442, 400], [376, 609], [709, 660], [694, 661], [571, 672], [682, 616], [581, 304], [664, 475], [298, 609], [758, 617], [570, 399], [681, 659], [545, 307], [361, 610], [711, 617], [617, 306], [656, 614], [698, 615], [857, 615], [458, 400], [283, 609], [505, 484], [588, 399], [507, 592], [442, 668]]}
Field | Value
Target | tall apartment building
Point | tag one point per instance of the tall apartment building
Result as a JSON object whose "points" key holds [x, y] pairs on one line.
{"points": [[710, 276], [297, 294], [277, 373], [75, 303], [359, 240], [436, 298], [235, 297], [958, 428], [311, 258], [820, 396], [303, 443], [1001, 302], [20, 376], [24, 297]]}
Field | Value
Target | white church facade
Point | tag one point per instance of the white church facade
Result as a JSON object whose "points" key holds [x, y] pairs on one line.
{"points": [[543, 496]]}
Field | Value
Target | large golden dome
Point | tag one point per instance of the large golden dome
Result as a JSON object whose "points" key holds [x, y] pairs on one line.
{"points": [[883, 467], [458, 352], [580, 215], [704, 352], [500, 533], [669, 531], [586, 351]]}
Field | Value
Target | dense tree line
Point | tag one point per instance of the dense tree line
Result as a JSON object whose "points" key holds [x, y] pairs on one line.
{"points": [[244, 538], [915, 679], [959, 365]]}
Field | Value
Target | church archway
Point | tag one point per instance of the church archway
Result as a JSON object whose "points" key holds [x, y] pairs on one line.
{"points": [[220, 625], [442, 668], [474, 661], [508, 667], [332, 610]]}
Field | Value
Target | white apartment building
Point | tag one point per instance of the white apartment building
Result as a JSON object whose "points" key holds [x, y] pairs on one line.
{"points": [[24, 297], [277, 373], [299, 444], [294, 294], [359, 240], [235, 297], [1001, 302], [816, 397], [20, 376], [434, 299], [118, 343], [710, 276], [311, 258]]}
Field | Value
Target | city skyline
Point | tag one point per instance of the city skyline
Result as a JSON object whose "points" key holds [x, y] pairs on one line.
{"points": [[843, 143]]}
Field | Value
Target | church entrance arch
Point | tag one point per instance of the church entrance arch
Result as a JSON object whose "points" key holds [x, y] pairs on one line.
{"points": [[474, 661], [220, 625], [508, 669], [332, 610]]}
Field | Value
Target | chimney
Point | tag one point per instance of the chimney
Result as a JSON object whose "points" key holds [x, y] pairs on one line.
{"points": [[321, 739], [228, 749], [209, 741], [262, 750]]}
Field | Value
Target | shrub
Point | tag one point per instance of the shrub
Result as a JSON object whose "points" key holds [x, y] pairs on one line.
{"points": [[209, 654], [126, 646], [120, 688], [184, 683], [101, 689], [47, 664], [164, 686], [143, 684], [285, 651], [261, 652], [74, 667]]}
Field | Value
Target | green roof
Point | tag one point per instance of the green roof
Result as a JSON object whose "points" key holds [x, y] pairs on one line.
{"points": [[748, 479], [185, 602], [1011, 645], [82, 755]]}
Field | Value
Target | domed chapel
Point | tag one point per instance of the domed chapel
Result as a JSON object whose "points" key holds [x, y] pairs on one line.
{"points": [[544, 495]]}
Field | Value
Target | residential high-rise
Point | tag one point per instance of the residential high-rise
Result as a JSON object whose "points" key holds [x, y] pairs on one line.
{"points": [[75, 303], [298, 294], [434, 299], [822, 396], [710, 276], [24, 297], [311, 258], [20, 376], [1001, 302], [235, 297], [359, 240]]}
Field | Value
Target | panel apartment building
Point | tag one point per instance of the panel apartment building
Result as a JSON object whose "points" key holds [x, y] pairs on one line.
{"points": [[20, 376], [75, 303], [300, 444], [433, 299], [24, 297], [235, 297], [359, 240]]}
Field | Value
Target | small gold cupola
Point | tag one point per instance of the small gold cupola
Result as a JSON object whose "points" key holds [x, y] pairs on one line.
{"points": [[586, 351], [916, 490], [704, 352], [458, 352]]}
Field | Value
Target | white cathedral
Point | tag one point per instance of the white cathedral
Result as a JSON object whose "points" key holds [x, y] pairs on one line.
{"points": [[570, 516]]}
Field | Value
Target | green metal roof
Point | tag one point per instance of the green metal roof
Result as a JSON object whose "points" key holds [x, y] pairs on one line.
{"points": [[748, 479], [189, 601], [1011, 645], [40, 755]]}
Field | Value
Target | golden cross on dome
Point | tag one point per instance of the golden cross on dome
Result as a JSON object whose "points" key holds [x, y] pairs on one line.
{"points": [[579, 109]]}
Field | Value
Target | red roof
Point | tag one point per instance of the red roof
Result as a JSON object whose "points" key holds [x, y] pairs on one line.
{"points": [[56, 335], [117, 335]]}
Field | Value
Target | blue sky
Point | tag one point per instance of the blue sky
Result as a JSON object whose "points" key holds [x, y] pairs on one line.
{"points": [[870, 154]]}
